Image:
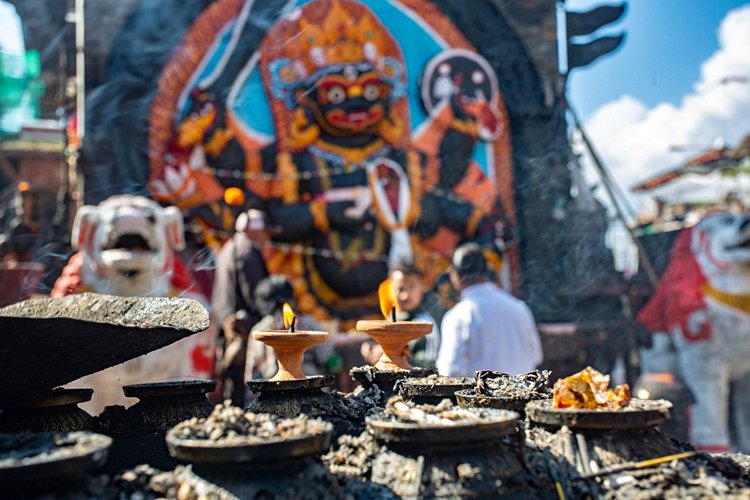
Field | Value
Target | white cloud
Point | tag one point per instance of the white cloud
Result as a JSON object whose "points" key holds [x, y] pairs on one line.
{"points": [[634, 140]]}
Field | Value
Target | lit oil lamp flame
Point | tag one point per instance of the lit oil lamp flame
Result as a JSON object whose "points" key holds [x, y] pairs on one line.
{"points": [[290, 320], [388, 305]]}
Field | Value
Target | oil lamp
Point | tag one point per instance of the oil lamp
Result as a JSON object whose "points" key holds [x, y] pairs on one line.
{"points": [[289, 344], [392, 336]]}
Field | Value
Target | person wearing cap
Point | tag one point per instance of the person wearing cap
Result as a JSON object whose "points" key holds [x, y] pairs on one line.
{"points": [[239, 269], [488, 329]]}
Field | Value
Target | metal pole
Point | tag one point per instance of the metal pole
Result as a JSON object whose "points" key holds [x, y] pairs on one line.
{"points": [[609, 184], [80, 69], [74, 173]]}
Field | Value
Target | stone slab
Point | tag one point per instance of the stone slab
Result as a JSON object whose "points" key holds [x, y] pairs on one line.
{"points": [[46, 343]]}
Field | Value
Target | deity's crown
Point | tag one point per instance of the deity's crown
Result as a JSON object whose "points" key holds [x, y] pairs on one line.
{"points": [[346, 33]]}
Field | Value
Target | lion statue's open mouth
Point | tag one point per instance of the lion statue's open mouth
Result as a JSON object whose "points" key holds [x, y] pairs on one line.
{"points": [[129, 253], [722, 240], [743, 243], [131, 241]]}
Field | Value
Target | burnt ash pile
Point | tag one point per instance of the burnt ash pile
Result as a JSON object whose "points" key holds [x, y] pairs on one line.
{"points": [[139, 431], [313, 481], [32, 462], [27, 448], [237, 454], [698, 476], [369, 376], [433, 388], [346, 412], [446, 450], [142, 481], [443, 414], [441, 380], [532, 385], [605, 447], [229, 425], [353, 455], [147, 483], [702, 476], [631, 458], [506, 391]]}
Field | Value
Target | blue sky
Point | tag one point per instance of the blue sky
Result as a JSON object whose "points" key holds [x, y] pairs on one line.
{"points": [[658, 101], [667, 40]]}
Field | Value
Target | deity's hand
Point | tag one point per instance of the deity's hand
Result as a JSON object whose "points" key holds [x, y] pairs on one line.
{"points": [[429, 221], [178, 181], [340, 215], [183, 183]]}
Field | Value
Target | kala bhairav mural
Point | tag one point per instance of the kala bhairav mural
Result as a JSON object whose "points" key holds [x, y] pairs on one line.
{"points": [[371, 133]]}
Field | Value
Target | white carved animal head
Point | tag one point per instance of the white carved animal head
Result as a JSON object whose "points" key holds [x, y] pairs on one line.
{"points": [[128, 244], [721, 244]]}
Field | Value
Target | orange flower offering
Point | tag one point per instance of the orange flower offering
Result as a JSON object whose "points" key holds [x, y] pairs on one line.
{"points": [[588, 389]]}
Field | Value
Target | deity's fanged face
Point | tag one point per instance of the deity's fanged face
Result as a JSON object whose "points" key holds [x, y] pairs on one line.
{"points": [[351, 101]]}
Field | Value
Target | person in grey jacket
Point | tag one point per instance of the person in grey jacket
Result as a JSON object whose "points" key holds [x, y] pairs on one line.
{"points": [[239, 269]]}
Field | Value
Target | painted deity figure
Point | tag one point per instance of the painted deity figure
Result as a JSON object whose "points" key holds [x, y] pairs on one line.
{"points": [[349, 180], [365, 150]]}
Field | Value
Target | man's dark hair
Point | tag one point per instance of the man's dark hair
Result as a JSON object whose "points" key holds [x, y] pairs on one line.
{"points": [[469, 262], [271, 293], [407, 270]]}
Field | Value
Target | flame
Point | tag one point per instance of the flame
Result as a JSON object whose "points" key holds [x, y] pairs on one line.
{"points": [[288, 315], [387, 298]]}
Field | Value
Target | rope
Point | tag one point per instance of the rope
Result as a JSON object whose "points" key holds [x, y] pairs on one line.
{"points": [[239, 174]]}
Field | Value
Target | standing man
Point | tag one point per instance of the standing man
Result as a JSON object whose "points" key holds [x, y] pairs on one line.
{"points": [[488, 329], [239, 269]]}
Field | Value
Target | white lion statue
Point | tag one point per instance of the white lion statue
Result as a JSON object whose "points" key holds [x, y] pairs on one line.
{"points": [[126, 246], [702, 304]]}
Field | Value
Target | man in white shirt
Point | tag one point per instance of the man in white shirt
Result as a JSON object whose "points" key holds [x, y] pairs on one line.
{"points": [[488, 329]]}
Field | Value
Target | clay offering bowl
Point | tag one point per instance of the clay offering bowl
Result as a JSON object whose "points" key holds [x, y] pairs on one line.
{"points": [[289, 347], [393, 337], [32, 461], [638, 414]]}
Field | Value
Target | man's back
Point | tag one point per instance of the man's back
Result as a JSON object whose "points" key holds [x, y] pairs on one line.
{"points": [[488, 329]]}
